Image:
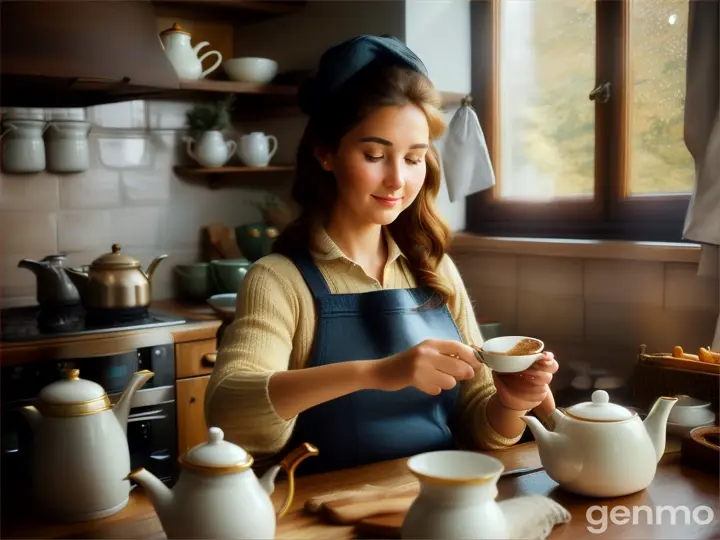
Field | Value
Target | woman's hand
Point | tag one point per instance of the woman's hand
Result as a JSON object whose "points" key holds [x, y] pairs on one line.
{"points": [[431, 366], [526, 390]]}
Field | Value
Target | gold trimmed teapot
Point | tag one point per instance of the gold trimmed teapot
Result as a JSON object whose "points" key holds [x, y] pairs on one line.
{"points": [[218, 494], [601, 449], [80, 450]]}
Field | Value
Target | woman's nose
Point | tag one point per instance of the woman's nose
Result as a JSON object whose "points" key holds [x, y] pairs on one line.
{"points": [[395, 178]]}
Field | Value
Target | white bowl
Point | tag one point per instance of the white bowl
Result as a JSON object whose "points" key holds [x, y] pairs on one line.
{"points": [[493, 354], [251, 70], [223, 304], [689, 411], [455, 466], [681, 430]]}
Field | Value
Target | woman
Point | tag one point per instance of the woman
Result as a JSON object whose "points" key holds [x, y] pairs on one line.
{"points": [[356, 333]]}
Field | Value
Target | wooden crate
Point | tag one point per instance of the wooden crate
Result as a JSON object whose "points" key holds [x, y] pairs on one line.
{"points": [[658, 375]]}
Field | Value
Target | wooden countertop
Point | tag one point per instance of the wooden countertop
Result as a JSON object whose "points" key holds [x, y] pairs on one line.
{"points": [[202, 323], [675, 485]]}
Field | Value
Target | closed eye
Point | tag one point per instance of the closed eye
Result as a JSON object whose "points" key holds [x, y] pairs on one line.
{"points": [[373, 159], [413, 161]]}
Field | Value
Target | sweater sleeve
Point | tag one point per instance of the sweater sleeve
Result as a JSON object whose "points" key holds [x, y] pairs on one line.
{"points": [[257, 344], [473, 428]]}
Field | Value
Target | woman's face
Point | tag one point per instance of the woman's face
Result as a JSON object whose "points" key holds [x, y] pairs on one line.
{"points": [[380, 164]]}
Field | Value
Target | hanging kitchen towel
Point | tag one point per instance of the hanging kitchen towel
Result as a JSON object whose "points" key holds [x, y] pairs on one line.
{"points": [[465, 156]]}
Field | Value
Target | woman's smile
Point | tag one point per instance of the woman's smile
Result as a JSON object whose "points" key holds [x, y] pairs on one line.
{"points": [[387, 201]]}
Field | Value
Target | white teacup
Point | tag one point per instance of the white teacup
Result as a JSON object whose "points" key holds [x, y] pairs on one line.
{"points": [[257, 149]]}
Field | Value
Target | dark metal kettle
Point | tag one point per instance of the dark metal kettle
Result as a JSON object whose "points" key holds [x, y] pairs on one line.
{"points": [[54, 289]]}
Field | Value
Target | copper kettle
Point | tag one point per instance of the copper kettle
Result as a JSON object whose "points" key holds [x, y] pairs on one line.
{"points": [[115, 281]]}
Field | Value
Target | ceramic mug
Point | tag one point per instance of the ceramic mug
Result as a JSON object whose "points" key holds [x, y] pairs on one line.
{"points": [[257, 149]]}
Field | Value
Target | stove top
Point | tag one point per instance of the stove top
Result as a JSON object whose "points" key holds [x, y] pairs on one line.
{"points": [[34, 323]]}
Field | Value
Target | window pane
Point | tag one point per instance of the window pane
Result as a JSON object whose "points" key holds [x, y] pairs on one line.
{"points": [[659, 161], [547, 122]]}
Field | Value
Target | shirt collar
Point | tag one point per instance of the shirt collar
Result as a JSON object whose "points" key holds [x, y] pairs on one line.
{"points": [[325, 249]]}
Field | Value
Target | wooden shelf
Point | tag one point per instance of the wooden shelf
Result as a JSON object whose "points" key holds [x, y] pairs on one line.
{"points": [[200, 171]]}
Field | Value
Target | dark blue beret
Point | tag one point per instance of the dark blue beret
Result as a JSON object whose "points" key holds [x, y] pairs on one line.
{"points": [[339, 63]]}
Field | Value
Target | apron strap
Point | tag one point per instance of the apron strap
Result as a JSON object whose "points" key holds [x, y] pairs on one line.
{"points": [[311, 273]]}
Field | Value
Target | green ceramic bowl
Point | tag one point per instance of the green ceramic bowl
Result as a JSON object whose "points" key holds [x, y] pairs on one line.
{"points": [[228, 274], [194, 280]]}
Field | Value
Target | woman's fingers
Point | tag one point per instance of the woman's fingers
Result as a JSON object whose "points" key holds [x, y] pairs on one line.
{"points": [[454, 367], [458, 350]]}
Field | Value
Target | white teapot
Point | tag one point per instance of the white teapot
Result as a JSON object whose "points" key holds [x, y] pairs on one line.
{"points": [[600, 449], [212, 150], [80, 449], [183, 56], [218, 494]]}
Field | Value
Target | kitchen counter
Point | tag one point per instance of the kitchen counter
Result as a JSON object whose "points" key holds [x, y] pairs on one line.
{"points": [[202, 323], [675, 484]]}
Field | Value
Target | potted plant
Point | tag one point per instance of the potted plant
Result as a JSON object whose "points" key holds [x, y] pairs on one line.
{"points": [[207, 121]]}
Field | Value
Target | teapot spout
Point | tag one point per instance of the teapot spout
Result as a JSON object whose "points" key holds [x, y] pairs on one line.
{"points": [[33, 266], [160, 495], [32, 415], [122, 407], [656, 423], [153, 266]]}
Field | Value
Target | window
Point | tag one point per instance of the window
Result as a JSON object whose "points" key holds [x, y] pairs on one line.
{"points": [[582, 105]]}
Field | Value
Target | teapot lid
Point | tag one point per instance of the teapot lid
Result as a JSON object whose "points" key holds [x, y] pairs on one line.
{"points": [[600, 409], [72, 396], [175, 29], [217, 456], [116, 259]]}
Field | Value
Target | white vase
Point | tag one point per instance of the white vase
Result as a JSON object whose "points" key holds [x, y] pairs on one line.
{"points": [[212, 150], [457, 497]]}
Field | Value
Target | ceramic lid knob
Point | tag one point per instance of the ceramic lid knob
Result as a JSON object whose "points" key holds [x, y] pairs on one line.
{"points": [[217, 455], [600, 396]]}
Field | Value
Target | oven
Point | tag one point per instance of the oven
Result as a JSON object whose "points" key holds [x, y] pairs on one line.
{"points": [[110, 362]]}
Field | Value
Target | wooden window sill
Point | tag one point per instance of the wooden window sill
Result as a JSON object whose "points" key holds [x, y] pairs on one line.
{"points": [[464, 243]]}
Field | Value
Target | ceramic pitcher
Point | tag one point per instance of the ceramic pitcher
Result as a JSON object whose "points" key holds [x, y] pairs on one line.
{"points": [[212, 150], [257, 149]]}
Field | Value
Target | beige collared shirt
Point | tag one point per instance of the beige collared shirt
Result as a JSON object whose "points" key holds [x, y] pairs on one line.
{"points": [[274, 331]]}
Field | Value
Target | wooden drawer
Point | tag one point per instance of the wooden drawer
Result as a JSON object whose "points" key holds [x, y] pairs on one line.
{"points": [[194, 358], [191, 426]]}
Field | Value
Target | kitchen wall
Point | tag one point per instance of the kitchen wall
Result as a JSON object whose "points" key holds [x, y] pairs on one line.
{"points": [[594, 313], [130, 196]]}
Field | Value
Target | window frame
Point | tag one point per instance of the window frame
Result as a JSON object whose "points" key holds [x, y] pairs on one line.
{"points": [[609, 214]]}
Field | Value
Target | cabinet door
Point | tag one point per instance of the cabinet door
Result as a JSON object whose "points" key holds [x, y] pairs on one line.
{"points": [[191, 412]]}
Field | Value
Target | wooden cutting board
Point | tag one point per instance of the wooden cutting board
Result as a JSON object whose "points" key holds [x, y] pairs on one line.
{"points": [[379, 510]]}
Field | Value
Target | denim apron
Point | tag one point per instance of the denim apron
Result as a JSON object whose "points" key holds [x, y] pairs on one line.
{"points": [[373, 425]]}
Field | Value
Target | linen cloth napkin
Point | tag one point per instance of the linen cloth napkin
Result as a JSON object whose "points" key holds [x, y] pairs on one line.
{"points": [[532, 517], [465, 157]]}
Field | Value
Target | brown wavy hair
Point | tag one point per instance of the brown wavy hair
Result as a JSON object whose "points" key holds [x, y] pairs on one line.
{"points": [[419, 231]]}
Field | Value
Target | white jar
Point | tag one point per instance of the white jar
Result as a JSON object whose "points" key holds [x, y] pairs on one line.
{"points": [[68, 148], [23, 148]]}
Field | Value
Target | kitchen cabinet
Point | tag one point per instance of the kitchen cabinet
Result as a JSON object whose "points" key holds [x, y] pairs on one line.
{"points": [[194, 361]]}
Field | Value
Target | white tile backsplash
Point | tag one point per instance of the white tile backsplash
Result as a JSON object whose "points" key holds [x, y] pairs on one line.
{"points": [[551, 276], [636, 282], [491, 270], [29, 192], [131, 196], [97, 188], [550, 316], [685, 290], [28, 231]]}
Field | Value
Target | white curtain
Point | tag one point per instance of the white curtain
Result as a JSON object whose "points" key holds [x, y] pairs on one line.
{"points": [[702, 136]]}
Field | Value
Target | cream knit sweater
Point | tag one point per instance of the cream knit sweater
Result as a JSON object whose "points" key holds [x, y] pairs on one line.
{"points": [[274, 328]]}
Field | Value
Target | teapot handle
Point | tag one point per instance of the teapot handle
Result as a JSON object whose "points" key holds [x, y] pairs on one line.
{"points": [[214, 66], [289, 464], [189, 142]]}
